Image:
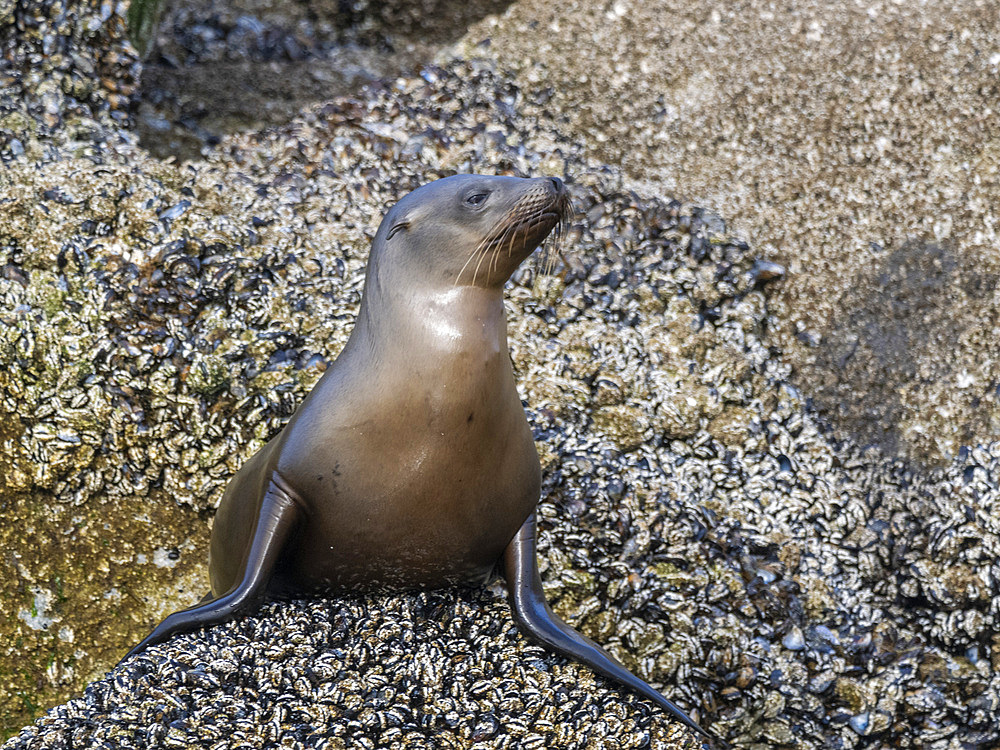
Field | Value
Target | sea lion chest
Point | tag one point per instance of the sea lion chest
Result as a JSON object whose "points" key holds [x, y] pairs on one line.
{"points": [[413, 458]]}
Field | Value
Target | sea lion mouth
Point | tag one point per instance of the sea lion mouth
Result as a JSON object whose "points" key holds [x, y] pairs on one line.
{"points": [[526, 225]]}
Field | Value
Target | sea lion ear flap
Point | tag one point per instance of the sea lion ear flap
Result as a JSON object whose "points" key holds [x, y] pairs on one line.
{"points": [[396, 228]]}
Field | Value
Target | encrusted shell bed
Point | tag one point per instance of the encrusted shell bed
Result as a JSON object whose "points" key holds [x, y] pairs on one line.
{"points": [[161, 321]]}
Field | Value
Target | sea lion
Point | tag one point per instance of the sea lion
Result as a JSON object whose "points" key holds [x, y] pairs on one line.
{"points": [[411, 464]]}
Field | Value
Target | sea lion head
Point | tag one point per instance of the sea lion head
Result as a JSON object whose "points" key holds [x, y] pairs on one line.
{"points": [[468, 230]]}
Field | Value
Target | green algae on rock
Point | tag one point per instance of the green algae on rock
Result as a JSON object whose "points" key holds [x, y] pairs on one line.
{"points": [[143, 17]]}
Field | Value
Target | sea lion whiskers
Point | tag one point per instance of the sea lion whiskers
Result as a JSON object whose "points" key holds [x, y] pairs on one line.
{"points": [[509, 231], [553, 244], [513, 226], [475, 274], [512, 234], [483, 246], [551, 247], [518, 231], [530, 214], [498, 230], [467, 262]]}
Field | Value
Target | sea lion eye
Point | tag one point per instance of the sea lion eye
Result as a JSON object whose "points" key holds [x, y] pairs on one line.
{"points": [[476, 199], [395, 229]]}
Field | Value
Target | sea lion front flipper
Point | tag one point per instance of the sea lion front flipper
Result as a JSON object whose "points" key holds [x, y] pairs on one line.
{"points": [[279, 514], [539, 623]]}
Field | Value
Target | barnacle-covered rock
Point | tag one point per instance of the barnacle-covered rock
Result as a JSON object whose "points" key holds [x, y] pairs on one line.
{"points": [[385, 672], [160, 322]]}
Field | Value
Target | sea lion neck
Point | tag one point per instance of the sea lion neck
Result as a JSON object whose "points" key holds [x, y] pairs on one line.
{"points": [[432, 321]]}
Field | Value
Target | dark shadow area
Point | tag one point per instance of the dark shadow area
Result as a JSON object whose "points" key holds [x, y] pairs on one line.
{"points": [[223, 66], [880, 365]]}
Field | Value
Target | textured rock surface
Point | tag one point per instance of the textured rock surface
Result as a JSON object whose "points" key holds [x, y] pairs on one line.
{"points": [[786, 586], [219, 68], [857, 143], [66, 69], [442, 670]]}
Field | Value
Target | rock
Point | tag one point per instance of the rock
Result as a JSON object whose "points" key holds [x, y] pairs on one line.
{"points": [[147, 350]]}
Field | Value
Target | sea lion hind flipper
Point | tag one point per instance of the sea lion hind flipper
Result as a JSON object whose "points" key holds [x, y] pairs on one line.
{"points": [[278, 516], [539, 623]]}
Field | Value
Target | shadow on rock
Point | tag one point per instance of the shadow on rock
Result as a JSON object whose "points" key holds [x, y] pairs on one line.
{"points": [[905, 314], [221, 66]]}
